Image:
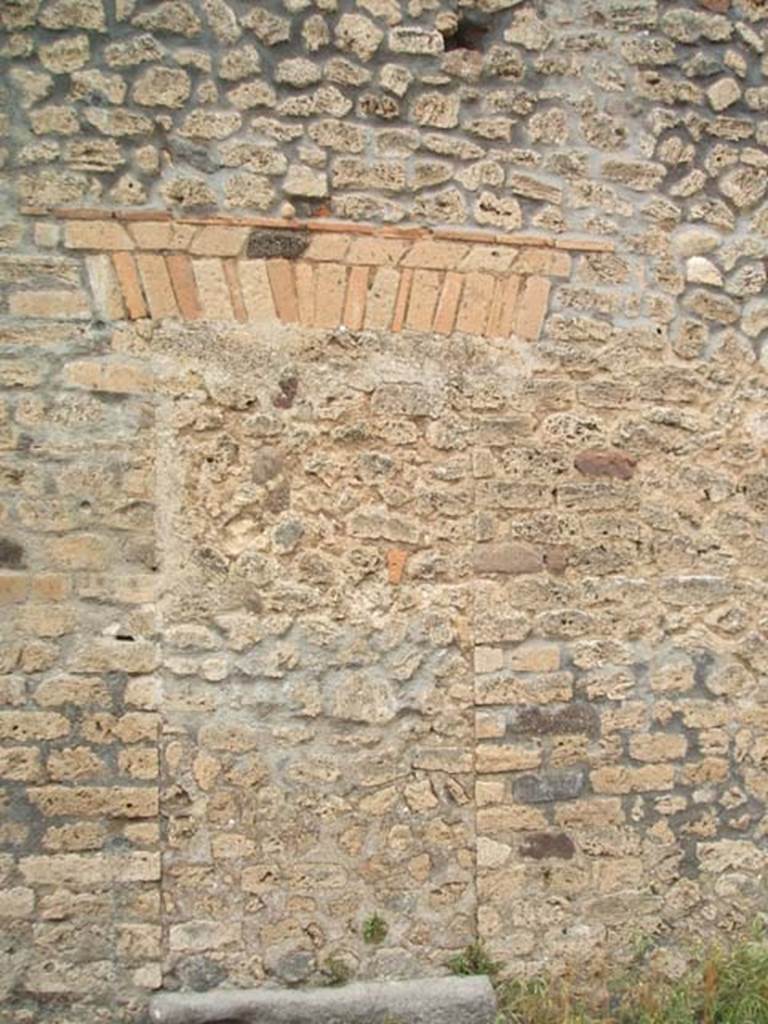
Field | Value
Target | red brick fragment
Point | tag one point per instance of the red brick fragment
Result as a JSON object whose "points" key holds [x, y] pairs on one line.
{"points": [[396, 559], [606, 462]]}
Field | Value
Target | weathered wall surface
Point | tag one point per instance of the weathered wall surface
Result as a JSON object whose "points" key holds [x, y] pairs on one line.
{"points": [[347, 571]]}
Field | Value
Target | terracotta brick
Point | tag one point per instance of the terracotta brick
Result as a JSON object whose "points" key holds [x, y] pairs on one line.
{"points": [[107, 297], [377, 252], [380, 304], [219, 240], [305, 290], [532, 308], [495, 309], [475, 303], [330, 286], [283, 285], [552, 262], [212, 289], [401, 301], [184, 287], [585, 245], [423, 300], [474, 235], [52, 304], [330, 248], [254, 287], [447, 307], [235, 295], [128, 276], [396, 559], [609, 462], [157, 285], [491, 258], [50, 586], [338, 226], [158, 235], [522, 240], [357, 290], [14, 587], [117, 377], [435, 255], [502, 314], [96, 234]]}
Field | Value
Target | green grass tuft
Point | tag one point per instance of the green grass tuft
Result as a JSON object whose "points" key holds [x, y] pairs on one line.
{"points": [[474, 960], [375, 929], [728, 986]]}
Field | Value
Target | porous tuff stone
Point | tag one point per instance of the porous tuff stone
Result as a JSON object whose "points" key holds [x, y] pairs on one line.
{"points": [[271, 244], [427, 1001]]}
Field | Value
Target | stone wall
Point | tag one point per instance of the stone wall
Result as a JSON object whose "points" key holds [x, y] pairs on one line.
{"points": [[382, 526]]}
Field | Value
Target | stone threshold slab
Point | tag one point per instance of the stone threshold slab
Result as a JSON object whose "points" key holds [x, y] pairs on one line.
{"points": [[464, 1000]]}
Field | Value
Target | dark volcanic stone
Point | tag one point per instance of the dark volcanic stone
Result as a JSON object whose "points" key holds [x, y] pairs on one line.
{"points": [[200, 974], [11, 554], [574, 718], [545, 787], [548, 844], [271, 243]]}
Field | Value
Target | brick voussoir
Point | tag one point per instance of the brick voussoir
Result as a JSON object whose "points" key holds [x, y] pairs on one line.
{"points": [[203, 267]]}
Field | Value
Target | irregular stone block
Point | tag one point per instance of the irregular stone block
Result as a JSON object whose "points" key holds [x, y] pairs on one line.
{"points": [[511, 559]]}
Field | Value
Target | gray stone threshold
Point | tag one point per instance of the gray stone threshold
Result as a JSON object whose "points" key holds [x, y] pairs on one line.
{"points": [[451, 1000]]}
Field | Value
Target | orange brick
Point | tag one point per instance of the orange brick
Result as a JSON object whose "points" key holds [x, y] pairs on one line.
{"points": [[329, 248], [532, 308], [157, 285], [305, 291], [117, 377], [254, 287], [502, 315], [13, 587], [357, 291], [445, 317], [330, 286], [50, 586], [184, 287], [235, 295], [159, 235], [106, 291], [125, 265], [435, 255], [475, 303], [585, 245], [53, 304], [126, 378], [543, 261], [380, 304], [401, 301], [96, 234], [212, 289], [495, 308], [376, 252], [396, 559], [424, 294], [465, 235], [283, 285], [496, 259], [219, 240]]}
